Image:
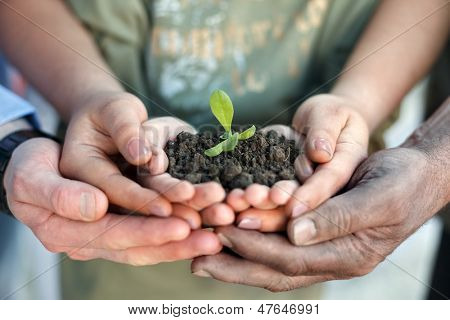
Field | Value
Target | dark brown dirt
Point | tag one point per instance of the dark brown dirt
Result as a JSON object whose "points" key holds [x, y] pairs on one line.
{"points": [[264, 159]]}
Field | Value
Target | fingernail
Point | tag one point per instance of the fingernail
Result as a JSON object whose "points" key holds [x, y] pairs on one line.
{"points": [[202, 273], [87, 206], [137, 149], [158, 210], [323, 145], [303, 167], [192, 224], [225, 241], [299, 209], [304, 231], [250, 223]]}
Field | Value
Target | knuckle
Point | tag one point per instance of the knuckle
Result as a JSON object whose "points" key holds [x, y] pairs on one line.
{"points": [[59, 198], [280, 284], [137, 261], [294, 268], [116, 106], [362, 270], [339, 222], [75, 255], [51, 247], [366, 260], [135, 258]]}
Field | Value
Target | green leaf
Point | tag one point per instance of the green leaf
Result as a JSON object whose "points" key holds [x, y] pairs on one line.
{"points": [[247, 133], [222, 108], [231, 142], [215, 151]]}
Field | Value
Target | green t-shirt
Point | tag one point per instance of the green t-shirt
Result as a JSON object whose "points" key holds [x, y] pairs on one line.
{"points": [[267, 55]]}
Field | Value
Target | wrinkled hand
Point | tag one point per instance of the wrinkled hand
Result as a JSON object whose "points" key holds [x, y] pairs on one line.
{"points": [[70, 216], [392, 194]]}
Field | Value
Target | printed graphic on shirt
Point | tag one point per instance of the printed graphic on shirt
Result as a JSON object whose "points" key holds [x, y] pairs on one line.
{"points": [[243, 47]]}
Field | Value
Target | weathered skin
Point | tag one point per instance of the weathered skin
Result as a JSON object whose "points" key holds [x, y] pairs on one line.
{"points": [[390, 196]]}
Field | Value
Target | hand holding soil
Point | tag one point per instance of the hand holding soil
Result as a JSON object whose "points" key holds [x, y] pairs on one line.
{"points": [[237, 161], [203, 198], [263, 171]]}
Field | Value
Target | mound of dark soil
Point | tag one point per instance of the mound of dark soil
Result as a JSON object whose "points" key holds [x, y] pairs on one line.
{"points": [[264, 159]]}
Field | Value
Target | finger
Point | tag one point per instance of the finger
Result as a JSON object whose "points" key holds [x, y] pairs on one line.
{"points": [[285, 131], [258, 196], [32, 177], [122, 120], [231, 269], [327, 180], [236, 200], [173, 189], [206, 194], [112, 232], [189, 215], [303, 167], [342, 215], [218, 214], [158, 131], [198, 243], [281, 192], [71, 199], [321, 137], [278, 253], [86, 164], [159, 161], [273, 220]]}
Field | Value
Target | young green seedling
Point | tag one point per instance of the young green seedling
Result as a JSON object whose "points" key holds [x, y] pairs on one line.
{"points": [[222, 108]]}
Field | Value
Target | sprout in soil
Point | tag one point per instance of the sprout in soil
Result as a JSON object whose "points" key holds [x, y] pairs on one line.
{"points": [[222, 108]]}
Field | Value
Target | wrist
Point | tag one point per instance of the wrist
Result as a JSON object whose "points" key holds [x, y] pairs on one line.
{"points": [[8, 146], [13, 126], [432, 139], [93, 99], [365, 102]]}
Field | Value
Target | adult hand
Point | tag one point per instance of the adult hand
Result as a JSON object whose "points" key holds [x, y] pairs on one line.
{"points": [[106, 124], [70, 216], [392, 194]]}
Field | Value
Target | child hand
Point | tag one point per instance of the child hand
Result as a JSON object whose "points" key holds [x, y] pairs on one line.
{"points": [[203, 197], [263, 208], [334, 137]]}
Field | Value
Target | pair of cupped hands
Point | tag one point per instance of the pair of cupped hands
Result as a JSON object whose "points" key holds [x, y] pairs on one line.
{"points": [[65, 194]]}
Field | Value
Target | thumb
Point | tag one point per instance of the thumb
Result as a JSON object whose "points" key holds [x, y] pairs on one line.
{"points": [[68, 198], [158, 131], [323, 128], [342, 215], [123, 121]]}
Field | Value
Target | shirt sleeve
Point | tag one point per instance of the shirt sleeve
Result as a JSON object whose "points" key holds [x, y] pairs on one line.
{"points": [[13, 107]]}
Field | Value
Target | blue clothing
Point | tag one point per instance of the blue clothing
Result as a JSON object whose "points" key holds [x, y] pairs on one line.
{"points": [[13, 107]]}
